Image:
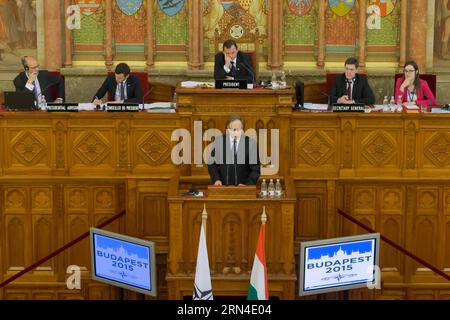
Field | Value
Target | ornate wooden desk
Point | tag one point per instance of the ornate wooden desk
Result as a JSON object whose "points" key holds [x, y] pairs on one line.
{"points": [[61, 173]]}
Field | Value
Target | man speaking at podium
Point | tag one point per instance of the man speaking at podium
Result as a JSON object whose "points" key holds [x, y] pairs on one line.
{"points": [[350, 87], [232, 64], [234, 159]]}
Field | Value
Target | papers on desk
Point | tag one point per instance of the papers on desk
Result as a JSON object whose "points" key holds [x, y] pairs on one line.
{"points": [[163, 107], [411, 106], [197, 84], [378, 106], [315, 107], [87, 107], [439, 110]]}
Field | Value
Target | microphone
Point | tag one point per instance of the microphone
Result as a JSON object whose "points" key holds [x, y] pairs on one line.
{"points": [[145, 96], [328, 98], [242, 64], [300, 93]]}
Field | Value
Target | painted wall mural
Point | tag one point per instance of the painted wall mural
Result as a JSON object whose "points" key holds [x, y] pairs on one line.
{"points": [[129, 21], [342, 25], [18, 24], [171, 24], [171, 7], [341, 7], [300, 24], [300, 7], [387, 37], [442, 30], [252, 14], [89, 38]]}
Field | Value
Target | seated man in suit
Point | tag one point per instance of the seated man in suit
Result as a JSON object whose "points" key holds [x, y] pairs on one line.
{"points": [[38, 81], [350, 87], [233, 64], [234, 159], [122, 87]]}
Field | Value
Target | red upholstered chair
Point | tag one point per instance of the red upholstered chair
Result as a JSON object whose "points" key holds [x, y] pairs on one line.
{"points": [[253, 58], [54, 88], [429, 78], [143, 79]]}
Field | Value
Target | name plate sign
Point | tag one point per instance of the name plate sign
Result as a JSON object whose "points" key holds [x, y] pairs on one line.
{"points": [[122, 108], [349, 108], [231, 84], [62, 108]]}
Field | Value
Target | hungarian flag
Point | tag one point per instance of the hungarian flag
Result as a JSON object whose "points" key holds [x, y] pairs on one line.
{"points": [[202, 283], [258, 289]]}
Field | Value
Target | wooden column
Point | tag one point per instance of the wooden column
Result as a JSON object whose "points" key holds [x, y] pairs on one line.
{"points": [[418, 32], [275, 32], [68, 38], [108, 35], [403, 27], [321, 43], [362, 34], [195, 50], [53, 56], [150, 39]]}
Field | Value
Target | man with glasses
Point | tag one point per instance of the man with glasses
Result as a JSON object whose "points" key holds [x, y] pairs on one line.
{"points": [[38, 81], [350, 87]]}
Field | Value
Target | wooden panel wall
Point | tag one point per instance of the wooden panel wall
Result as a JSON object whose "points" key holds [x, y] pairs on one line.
{"points": [[62, 173]]}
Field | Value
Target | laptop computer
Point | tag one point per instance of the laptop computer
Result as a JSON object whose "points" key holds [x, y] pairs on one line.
{"points": [[19, 101]]}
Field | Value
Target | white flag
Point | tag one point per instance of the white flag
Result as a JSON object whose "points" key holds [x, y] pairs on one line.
{"points": [[202, 283]]}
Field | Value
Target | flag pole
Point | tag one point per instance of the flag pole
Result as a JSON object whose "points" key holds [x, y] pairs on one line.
{"points": [[264, 216], [204, 218]]}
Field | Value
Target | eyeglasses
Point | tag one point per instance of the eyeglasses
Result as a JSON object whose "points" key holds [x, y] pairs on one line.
{"points": [[34, 67]]}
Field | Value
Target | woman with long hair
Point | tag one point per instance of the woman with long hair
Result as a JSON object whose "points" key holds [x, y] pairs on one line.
{"points": [[412, 89]]}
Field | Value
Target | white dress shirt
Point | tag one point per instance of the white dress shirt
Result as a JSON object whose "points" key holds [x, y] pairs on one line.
{"points": [[31, 87], [117, 95], [227, 70]]}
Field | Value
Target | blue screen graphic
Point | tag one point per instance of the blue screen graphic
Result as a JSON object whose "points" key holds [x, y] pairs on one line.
{"points": [[122, 261]]}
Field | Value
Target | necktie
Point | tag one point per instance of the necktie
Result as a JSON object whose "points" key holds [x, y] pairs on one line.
{"points": [[233, 69], [36, 94], [349, 89], [122, 92]]}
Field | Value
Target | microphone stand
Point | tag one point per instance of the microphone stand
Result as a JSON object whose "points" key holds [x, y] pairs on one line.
{"points": [[251, 73], [145, 96]]}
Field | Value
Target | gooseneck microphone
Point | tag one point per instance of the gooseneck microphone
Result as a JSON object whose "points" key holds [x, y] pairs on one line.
{"points": [[242, 64], [145, 96]]}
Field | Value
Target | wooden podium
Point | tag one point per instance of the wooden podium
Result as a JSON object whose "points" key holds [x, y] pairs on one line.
{"points": [[234, 220], [232, 192]]}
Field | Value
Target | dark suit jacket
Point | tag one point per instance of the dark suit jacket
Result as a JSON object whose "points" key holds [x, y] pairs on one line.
{"points": [[362, 93], [134, 92], [241, 72], [46, 81], [242, 169]]}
